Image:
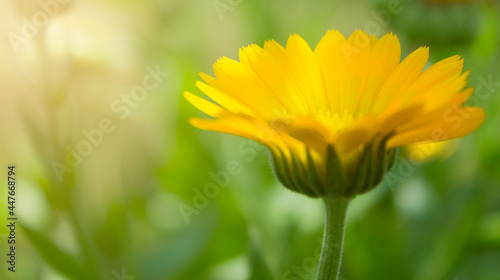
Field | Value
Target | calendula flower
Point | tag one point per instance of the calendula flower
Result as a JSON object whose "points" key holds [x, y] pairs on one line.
{"points": [[420, 153], [332, 117]]}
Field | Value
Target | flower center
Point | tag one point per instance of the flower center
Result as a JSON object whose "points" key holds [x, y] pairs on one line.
{"points": [[335, 122]]}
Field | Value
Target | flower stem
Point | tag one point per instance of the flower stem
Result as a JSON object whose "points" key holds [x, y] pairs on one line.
{"points": [[333, 240]]}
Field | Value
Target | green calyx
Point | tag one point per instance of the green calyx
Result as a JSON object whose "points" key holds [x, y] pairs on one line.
{"points": [[333, 179]]}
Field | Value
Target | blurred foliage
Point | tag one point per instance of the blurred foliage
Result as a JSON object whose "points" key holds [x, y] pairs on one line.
{"points": [[159, 199]]}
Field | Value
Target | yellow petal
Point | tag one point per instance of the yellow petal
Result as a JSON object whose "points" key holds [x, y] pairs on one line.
{"points": [[274, 75], [203, 105], [439, 81], [390, 122], [453, 124], [226, 101], [239, 127], [306, 72], [358, 70], [354, 137], [428, 151], [419, 119], [245, 86], [310, 132], [402, 77], [385, 57], [332, 62], [276, 50]]}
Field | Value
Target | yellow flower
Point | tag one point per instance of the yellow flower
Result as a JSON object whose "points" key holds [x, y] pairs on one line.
{"points": [[333, 117], [420, 153]]}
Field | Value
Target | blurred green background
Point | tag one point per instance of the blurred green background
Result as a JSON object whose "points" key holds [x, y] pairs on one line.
{"points": [[114, 184]]}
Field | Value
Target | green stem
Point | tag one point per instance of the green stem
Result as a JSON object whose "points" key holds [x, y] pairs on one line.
{"points": [[90, 258], [333, 240]]}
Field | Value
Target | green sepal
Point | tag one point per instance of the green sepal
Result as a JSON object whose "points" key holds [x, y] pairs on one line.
{"points": [[361, 173], [298, 174], [335, 182], [305, 177], [277, 164], [314, 176]]}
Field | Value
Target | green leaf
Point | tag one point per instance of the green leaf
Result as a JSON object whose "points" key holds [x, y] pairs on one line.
{"points": [[260, 269], [54, 256]]}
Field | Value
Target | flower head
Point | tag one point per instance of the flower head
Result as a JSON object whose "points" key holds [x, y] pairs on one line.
{"points": [[333, 116]]}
